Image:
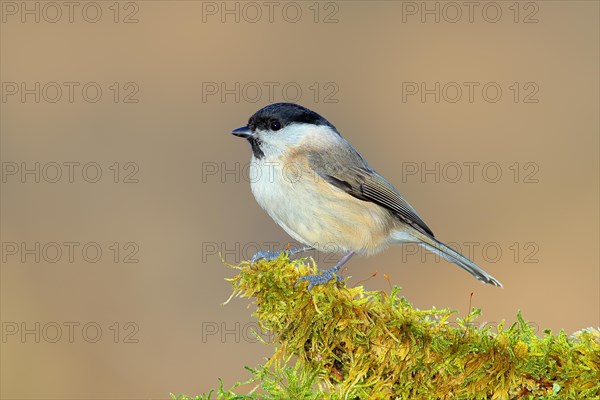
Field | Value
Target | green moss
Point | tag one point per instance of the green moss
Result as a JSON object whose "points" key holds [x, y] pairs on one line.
{"points": [[347, 343]]}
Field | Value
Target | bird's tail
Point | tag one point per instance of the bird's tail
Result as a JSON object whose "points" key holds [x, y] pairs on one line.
{"points": [[454, 256]]}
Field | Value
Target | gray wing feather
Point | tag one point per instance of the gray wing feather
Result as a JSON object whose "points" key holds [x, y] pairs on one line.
{"points": [[348, 171]]}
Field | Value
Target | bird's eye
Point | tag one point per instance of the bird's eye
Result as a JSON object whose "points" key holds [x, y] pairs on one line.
{"points": [[275, 125], [252, 127]]}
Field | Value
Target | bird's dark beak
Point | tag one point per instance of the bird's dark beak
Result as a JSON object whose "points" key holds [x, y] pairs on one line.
{"points": [[243, 132]]}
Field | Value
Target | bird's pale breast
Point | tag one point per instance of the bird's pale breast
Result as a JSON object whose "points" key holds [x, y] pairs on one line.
{"points": [[316, 213]]}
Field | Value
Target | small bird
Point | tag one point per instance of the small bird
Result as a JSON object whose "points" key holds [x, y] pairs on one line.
{"points": [[317, 187]]}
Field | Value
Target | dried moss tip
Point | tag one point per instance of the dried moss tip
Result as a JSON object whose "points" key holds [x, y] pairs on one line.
{"points": [[358, 344]]}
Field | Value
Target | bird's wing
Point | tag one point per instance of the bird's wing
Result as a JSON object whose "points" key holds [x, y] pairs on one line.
{"points": [[348, 171]]}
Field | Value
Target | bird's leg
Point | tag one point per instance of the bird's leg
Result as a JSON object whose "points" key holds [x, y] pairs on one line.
{"points": [[272, 255], [328, 274]]}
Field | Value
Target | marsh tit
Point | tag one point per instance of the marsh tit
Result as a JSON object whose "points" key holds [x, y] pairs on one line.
{"points": [[317, 187]]}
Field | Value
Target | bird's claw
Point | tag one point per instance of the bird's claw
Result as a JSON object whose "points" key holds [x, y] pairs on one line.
{"points": [[273, 255], [266, 255], [322, 278]]}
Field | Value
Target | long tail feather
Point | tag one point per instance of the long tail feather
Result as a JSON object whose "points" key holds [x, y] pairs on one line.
{"points": [[452, 255]]}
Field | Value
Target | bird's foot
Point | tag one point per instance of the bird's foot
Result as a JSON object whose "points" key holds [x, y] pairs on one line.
{"points": [[273, 255], [326, 275], [265, 255], [322, 278]]}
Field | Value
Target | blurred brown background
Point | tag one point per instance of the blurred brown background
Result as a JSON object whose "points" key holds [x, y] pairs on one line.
{"points": [[173, 190]]}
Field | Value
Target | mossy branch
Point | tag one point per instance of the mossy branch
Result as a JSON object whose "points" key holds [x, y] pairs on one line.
{"points": [[350, 343]]}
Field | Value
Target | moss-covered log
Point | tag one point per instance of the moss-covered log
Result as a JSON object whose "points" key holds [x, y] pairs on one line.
{"points": [[351, 344]]}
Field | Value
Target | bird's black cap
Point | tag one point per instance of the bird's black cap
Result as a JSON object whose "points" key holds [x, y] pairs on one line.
{"points": [[285, 114]]}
